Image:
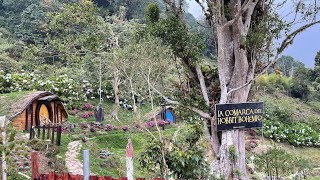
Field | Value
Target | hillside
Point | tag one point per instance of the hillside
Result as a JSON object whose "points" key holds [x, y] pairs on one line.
{"points": [[155, 74]]}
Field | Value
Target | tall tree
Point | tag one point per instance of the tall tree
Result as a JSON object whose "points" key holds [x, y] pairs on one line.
{"points": [[244, 31], [287, 65]]}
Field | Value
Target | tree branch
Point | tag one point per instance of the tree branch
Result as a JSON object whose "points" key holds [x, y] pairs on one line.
{"points": [[196, 110], [244, 7], [174, 8], [202, 85], [288, 40]]}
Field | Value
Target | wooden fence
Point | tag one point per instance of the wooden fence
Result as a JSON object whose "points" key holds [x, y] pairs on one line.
{"points": [[67, 176], [47, 132]]}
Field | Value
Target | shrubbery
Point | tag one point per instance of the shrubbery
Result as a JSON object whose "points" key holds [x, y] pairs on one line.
{"points": [[272, 82], [276, 162], [70, 90], [280, 126], [297, 135]]}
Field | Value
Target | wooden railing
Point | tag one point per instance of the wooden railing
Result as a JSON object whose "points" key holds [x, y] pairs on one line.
{"points": [[67, 176], [44, 132]]}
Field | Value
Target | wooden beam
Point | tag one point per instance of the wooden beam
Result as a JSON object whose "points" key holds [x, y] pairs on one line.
{"points": [[35, 165], [26, 127]]}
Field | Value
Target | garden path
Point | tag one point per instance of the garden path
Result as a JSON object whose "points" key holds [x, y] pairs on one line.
{"points": [[73, 164]]}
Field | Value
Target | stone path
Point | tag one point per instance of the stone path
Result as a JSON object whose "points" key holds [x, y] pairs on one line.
{"points": [[74, 165]]}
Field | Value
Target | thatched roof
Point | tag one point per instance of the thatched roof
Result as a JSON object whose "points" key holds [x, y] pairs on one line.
{"points": [[13, 104]]}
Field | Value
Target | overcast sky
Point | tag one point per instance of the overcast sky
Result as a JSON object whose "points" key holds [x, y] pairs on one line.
{"points": [[304, 48]]}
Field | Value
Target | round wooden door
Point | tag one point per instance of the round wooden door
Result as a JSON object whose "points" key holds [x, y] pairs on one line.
{"points": [[44, 114]]}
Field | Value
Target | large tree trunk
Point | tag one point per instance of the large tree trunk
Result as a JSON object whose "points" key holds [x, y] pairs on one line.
{"points": [[234, 69]]}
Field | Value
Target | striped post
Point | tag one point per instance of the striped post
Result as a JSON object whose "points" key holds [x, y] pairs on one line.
{"points": [[129, 160]]}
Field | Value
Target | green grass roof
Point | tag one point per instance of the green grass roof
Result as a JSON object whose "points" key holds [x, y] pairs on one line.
{"points": [[16, 102]]}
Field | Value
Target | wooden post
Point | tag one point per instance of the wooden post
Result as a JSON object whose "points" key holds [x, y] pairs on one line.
{"points": [[65, 176], [86, 165], [31, 133], [52, 137], [35, 165], [43, 131], [58, 142], [38, 132], [48, 133], [51, 176], [3, 163], [129, 160], [26, 127]]}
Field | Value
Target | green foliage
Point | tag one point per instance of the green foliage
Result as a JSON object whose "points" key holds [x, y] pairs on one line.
{"points": [[282, 126], [300, 81], [7, 147], [232, 154], [273, 82], [277, 162], [66, 87], [317, 59], [152, 13], [175, 34], [185, 158], [287, 65]]}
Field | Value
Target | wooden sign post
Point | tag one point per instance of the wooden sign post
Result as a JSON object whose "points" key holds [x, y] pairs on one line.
{"points": [[129, 160]]}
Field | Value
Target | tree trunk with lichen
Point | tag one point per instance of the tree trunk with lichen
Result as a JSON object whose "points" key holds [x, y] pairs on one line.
{"points": [[230, 22], [235, 70]]}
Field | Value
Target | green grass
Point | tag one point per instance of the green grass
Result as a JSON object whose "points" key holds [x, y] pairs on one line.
{"points": [[300, 111], [116, 142]]}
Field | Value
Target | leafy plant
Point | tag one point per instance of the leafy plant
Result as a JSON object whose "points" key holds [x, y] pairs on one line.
{"points": [[277, 162], [185, 158]]}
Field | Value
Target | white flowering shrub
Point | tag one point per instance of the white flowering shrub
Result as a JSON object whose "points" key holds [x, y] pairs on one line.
{"points": [[71, 91], [298, 135]]}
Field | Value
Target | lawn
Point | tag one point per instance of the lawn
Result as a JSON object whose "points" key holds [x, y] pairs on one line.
{"points": [[115, 143]]}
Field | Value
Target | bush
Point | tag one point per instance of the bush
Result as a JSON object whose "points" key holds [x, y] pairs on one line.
{"points": [[85, 115], [70, 90], [84, 125], [37, 144], [87, 107], [275, 162], [272, 82], [185, 158], [125, 128], [298, 135], [109, 127]]}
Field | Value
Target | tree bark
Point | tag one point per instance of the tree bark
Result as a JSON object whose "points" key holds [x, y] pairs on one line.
{"points": [[231, 37], [115, 86]]}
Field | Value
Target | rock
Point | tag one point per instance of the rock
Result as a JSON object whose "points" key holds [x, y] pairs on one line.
{"points": [[253, 145], [84, 139], [15, 159], [104, 154]]}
